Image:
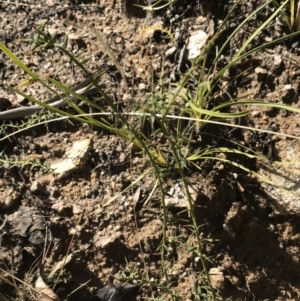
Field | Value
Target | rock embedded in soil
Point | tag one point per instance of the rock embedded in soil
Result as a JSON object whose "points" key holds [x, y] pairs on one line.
{"points": [[176, 196], [117, 292], [216, 278], [74, 159]]}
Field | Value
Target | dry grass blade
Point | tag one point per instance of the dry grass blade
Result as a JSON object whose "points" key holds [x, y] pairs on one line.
{"points": [[161, 132], [108, 51], [111, 55], [27, 287]]}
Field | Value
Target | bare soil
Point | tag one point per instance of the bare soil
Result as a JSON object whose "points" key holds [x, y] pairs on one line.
{"points": [[254, 234]]}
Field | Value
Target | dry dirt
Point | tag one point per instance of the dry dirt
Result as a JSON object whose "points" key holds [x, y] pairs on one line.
{"points": [[253, 230]]}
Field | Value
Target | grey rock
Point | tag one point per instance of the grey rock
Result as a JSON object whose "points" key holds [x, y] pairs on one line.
{"points": [[117, 292]]}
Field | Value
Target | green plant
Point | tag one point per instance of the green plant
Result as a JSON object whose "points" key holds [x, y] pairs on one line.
{"points": [[42, 39], [169, 145], [21, 162], [292, 18]]}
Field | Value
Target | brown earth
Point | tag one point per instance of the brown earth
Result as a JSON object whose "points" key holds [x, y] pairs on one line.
{"points": [[251, 233]]}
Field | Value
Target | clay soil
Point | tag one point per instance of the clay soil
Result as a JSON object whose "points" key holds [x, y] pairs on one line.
{"points": [[251, 239]]}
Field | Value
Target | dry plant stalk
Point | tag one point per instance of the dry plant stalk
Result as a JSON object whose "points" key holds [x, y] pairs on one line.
{"points": [[108, 51]]}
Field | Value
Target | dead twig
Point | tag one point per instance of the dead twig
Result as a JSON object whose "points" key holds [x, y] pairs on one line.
{"points": [[108, 51]]}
